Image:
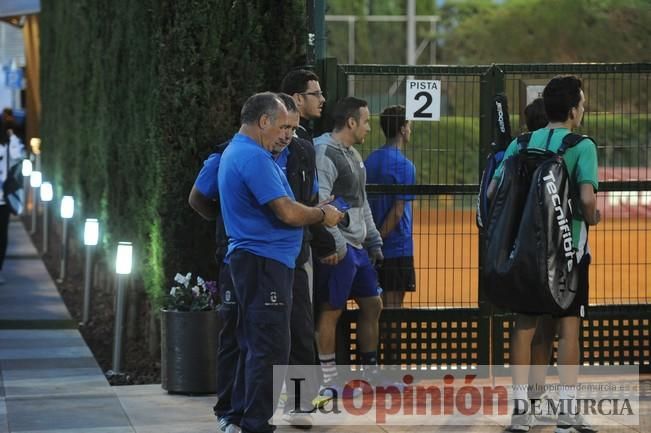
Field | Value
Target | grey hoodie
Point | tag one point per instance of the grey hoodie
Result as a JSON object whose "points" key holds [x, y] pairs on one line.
{"points": [[342, 174]]}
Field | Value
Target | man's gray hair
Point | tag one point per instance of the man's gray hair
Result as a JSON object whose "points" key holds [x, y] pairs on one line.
{"points": [[289, 102], [256, 106]]}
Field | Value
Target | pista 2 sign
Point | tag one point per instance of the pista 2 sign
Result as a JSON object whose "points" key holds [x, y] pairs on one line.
{"points": [[423, 100]]}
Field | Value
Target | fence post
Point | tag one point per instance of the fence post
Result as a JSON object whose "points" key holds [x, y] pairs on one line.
{"points": [[328, 71], [491, 82]]}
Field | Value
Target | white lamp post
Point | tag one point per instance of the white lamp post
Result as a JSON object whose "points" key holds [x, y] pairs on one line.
{"points": [[27, 172], [122, 269], [91, 237], [67, 211], [35, 180], [27, 167], [47, 194], [35, 144]]}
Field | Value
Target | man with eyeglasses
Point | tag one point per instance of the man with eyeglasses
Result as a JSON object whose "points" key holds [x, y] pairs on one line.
{"points": [[298, 162], [304, 87]]}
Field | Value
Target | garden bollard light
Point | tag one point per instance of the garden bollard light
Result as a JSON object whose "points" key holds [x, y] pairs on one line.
{"points": [[46, 197], [67, 211], [26, 170], [91, 237], [122, 269], [35, 145], [35, 180]]}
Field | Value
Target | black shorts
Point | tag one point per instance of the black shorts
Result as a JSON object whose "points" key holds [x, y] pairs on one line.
{"points": [[580, 304], [397, 274]]}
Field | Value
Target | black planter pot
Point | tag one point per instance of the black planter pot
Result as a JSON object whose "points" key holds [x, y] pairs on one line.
{"points": [[189, 351]]}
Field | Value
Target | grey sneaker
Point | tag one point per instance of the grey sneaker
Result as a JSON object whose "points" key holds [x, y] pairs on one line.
{"points": [[2, 278], [547, 403], [225, 425], [573, 424], [520, 422], [298, 419]]}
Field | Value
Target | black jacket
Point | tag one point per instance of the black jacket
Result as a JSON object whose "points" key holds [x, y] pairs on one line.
{"points": [[301, 174]]}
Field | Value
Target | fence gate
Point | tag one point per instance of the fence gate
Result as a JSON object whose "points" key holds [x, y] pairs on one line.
{"points": [[447, 322]]}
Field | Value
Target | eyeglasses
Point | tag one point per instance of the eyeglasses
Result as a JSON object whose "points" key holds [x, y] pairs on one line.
{"points": [[318, 94]]}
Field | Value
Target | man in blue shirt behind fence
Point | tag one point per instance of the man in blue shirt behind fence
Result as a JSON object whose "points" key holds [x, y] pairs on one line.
{"points": [[392, 213]]}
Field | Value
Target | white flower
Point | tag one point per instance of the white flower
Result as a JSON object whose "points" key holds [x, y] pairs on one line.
{"points": [[196, 290], [173, 291], [200, 281], [185, 280]]}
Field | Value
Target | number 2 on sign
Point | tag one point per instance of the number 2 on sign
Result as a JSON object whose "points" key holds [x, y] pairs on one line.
{"points": [[420, 113], [423, 100]]}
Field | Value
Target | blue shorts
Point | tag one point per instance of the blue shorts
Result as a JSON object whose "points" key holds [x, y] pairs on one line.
{"points": [[352, 277]]}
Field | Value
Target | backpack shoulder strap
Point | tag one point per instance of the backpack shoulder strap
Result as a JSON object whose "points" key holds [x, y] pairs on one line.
{"points": [[523, 140], [571, 140]]}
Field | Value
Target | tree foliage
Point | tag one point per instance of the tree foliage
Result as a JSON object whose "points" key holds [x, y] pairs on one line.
{"points": [[509, 31], [548, 31], [136, 93]]}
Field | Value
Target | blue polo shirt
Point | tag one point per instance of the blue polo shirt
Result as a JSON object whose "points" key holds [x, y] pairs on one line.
{"points": [[248, 180], [388, 166], [206, 182]]}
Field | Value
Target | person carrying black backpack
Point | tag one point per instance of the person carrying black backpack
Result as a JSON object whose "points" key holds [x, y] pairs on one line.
{"points": [[564, 104]]}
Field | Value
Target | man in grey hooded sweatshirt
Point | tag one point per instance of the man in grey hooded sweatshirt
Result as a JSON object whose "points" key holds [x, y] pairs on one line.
{"points": [[350, 272]]}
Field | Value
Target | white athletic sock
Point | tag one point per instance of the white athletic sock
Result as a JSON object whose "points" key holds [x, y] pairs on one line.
{"points": [[567, 397], [328, 367], [520, 404]]}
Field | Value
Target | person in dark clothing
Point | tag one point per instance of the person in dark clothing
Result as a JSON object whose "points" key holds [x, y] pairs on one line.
{"points": [[298, 161], [204, 199], [304, 87], [11, 153]]}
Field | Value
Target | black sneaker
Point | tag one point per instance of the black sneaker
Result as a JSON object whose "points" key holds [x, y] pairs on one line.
{"points": [[573, 424]]}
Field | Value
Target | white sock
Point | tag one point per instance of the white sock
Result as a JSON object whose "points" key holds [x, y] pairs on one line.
{"points": [[520, 404], [328, 367], [567, 397]]}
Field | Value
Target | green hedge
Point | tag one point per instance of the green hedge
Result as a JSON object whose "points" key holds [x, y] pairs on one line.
{"points": [[136, 93]]}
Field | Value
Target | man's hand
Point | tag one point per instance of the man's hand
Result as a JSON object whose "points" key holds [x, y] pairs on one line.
{"points": [[326, 201], [331, 216], [331, 260], [376, 256]]}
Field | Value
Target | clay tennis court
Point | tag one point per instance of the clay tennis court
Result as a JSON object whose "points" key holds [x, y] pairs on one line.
{"points": [[446, 259]]}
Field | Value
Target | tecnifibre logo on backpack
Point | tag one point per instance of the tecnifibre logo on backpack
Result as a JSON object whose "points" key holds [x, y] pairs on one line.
{"points": [[561, 219]]}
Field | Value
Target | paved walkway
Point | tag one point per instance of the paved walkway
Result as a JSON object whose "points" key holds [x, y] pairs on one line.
{"points": [[50, 382]]}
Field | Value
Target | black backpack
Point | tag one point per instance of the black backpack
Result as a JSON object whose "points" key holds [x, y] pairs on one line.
{"points": [[529, 261], [501, 139]]}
